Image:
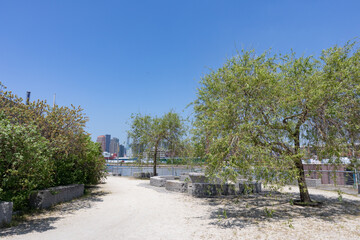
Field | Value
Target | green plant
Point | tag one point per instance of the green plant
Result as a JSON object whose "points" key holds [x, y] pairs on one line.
{"points": [[25, 162], [340, 198], [269, 212], [289, 224]]}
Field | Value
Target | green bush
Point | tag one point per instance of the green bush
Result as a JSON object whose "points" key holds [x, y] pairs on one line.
{"points": [[25, 162], [86, 166], [43, 146], [92, 164]]}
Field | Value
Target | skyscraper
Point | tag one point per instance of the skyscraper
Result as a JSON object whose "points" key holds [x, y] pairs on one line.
{"points": [[101, 139], [107, 142], [122, 151], [114, 146]]}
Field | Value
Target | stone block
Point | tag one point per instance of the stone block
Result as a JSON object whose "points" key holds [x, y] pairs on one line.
{"points": [[246, 187], [159, 181], [211, 189], [184, 178], [189, 188], [176, 186], [198, 177], [6, 209], [143, 174], [51, 196]]}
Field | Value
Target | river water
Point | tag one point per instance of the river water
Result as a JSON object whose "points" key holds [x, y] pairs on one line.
{"points": [[161, 170]]}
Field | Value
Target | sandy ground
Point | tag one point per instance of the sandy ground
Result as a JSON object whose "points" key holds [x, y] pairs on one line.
{"points": [[126, 208]]}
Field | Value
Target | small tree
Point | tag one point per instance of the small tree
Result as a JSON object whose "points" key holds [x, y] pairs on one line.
{"points": [[148, 134], [256, 113]]}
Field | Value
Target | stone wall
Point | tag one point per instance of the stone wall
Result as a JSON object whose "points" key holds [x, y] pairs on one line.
{"points": [[6, 209], [49, 197], [211, 189], [198, 177], [143, 174], [159, 181], [246, 187], [185, 177], [176, 186]]}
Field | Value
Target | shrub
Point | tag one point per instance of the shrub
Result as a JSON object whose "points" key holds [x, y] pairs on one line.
{"points": [[25, 162]]}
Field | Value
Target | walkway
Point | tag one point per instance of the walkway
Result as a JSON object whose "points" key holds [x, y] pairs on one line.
{"points": [[125, 208]]}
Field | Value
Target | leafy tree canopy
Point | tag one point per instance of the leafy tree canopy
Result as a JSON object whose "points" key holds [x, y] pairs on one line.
{"points": [[256, 113], [148, 134], [42, 146]]}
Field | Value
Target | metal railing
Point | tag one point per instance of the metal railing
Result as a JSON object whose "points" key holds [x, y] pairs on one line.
{"points": [[161, 170]]}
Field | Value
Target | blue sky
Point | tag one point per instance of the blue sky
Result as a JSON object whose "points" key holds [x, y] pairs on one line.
{"points": [[115, 58]]}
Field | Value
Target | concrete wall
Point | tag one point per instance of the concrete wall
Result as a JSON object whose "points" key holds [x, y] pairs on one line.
{"points": [[313, 182], [309, 182], [6, 209], [329, 174], [49, 197]]}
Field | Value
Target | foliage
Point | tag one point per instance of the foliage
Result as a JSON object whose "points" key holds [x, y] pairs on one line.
{"points": [[74, 157], [149, 134], [25, 162], [256, 113]]}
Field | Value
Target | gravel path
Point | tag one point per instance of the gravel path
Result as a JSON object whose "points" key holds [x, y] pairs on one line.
{"points": [[126, 208]]}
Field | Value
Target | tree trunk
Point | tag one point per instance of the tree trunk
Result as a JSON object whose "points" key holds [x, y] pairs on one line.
{"points": [[304, 193], [155, 156]]}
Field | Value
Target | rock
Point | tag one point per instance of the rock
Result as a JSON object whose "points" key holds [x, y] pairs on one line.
{"points": [[6, 209]]}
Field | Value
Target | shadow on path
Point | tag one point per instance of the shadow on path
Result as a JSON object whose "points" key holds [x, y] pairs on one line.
{"points": [[94, 195], [36, 225], [40, 220], [274, 207], [146, 184]]}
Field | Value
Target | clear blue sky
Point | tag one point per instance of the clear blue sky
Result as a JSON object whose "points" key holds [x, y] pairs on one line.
{"points": [[115, 58]]}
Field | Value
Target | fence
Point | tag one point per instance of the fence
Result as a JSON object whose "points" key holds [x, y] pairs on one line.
{"points": [[329, 175], [161, 170], [334, 177]]}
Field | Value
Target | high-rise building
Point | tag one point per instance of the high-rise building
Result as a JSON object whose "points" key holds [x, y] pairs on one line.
{"points": [[101, 139], [114, 146], [107, 142], [122, 151]]}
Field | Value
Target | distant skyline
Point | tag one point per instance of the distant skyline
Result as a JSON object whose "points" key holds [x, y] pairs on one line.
{"points": [[115, 58]]}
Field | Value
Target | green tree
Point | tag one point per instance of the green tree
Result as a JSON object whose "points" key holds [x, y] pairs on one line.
{"points": [[148, 134], [74, 157], [254, 115], [25, 162]]}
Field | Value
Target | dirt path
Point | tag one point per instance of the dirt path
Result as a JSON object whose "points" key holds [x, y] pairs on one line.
{"points": [[125, 208]]}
